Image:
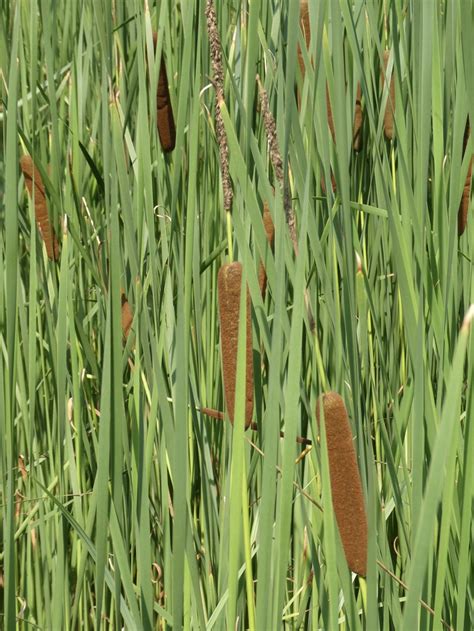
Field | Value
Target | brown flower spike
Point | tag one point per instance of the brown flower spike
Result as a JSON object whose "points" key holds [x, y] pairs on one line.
{"points": [[164, 111], [346, 487], [33, 181], [229, 282], [304, 23], [358, 114], [127, 314], [270, 232]]}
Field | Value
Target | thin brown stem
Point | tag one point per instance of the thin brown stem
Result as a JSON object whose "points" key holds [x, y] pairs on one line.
{"points": [[219, 416]]}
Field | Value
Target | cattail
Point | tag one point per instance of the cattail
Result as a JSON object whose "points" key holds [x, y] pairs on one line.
{"points": [[164, 111], [358, 120], [304, 23], [305, 27], [270, 232], [346, 488], [277, 162], [22, 468], [466, 194], [229, 282], [218, 81], [390, 107], [127, 315], [33, 179], [358, 116], [333, 183]]}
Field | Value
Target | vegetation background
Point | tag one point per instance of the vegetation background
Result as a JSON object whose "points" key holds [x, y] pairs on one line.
{"points": [[122, 503]]}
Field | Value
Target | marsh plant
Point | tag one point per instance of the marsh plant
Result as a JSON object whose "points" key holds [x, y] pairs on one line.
{"points": [[147, 300]]}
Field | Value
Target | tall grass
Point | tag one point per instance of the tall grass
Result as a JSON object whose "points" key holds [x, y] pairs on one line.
{"points": [[124, 505]]}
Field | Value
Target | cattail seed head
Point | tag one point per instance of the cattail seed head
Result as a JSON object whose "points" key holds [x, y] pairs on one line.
{"points": [[164, 111], [333, 183], [358, 114], [270, 232], [34, 182], [346, 487], [229, 282], [304, 23], [127, 315]]}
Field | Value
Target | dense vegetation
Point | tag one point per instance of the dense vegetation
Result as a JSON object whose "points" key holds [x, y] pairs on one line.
{"points": [[122, 502]]}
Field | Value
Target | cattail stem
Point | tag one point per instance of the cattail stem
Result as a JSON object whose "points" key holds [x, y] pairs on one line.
{"points": [[230, 246], [219, 416]]}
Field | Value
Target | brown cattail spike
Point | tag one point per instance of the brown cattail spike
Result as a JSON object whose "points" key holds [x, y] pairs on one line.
{"points": [[358, 120], [346, 488], [304, 23], [33, 181], [229, 282], [333, 183], [305, 27], [390, 107], [270, 232], [127, 315], [466, 194], [164, 111]]}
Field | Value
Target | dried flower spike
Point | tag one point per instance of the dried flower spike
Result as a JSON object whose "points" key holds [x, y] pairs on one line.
{"points": [[33, 180], [218, 82], [276, 160], [304, 23], [229, 282], [164, 111], [346, 487]]}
